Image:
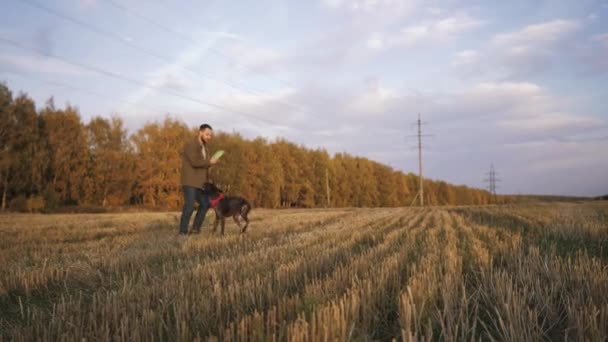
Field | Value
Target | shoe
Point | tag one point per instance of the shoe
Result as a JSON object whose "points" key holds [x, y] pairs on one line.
{"points": [[182, 234], [194, 231]]}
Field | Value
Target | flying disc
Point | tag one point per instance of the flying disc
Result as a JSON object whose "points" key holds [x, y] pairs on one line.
{"points": [[218, 155]]}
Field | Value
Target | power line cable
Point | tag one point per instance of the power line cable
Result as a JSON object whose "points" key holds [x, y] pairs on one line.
{"points": [[109, 99], [125, 41], [134, 81], [188, 39], [181, 35]]}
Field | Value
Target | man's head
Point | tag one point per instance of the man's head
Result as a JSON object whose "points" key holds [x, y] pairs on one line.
{"points": [[205, 133]]}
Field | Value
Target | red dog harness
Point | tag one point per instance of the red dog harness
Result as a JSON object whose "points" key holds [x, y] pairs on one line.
{"points": [[217, 200]]}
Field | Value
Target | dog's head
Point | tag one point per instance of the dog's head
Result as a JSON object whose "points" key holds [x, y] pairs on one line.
{"points": [[212, 189]]}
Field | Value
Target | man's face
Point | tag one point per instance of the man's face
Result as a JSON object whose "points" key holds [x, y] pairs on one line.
{"points": [[206, 135]]}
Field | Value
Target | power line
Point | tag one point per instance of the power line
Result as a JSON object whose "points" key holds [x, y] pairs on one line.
{"points": [[189, 39], [133, 81], [124, 41], [181, 35], [109, 99]]}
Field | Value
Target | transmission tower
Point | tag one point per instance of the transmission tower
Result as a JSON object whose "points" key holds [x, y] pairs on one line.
{"points": [[492, 180]]}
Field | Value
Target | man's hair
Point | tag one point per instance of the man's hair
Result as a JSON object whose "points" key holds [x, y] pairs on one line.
{"points": [[205, 126]]}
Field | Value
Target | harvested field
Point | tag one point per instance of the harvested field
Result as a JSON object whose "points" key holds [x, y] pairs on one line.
{"points": [[512, 273]]}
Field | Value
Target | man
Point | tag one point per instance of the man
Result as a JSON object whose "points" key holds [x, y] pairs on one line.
{"points": [[195, 172]]}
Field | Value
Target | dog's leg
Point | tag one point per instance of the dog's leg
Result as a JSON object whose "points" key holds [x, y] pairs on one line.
{"points": [[223, 223], [237, 221], [217, 220], [244, 211], [246, 225]]}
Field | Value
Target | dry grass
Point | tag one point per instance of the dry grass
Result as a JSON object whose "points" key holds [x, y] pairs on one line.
{"points": [[464, 273]]}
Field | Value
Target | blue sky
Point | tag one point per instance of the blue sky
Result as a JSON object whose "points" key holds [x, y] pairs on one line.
{"points": [[520, 84]]}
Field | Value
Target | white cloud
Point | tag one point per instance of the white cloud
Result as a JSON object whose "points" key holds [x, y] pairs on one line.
{"points": [[253, 102], [457, 24], [550, 121], [374, 101], [410, 35], [369, 5], [254, 58], [500, 99], [529, 50], [177, 82], [171, 74], [374, 14], [532, 48], [502, 88], [514, 109], [533, 36], [333, 3], [427, 31], [433, 10], [375, 42], [466, 57], [551, 155]]}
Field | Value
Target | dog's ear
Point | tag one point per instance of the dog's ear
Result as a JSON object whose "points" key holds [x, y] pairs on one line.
{"points": [[211, 188]]}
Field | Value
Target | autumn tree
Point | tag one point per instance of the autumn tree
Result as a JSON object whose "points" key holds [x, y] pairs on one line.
{"points": [[388, 186], [158, 162], [111, 174], [321, 172], [68, 152], [7, 123], [30, 161], [342, 187], [290, 186], [269, 177], [229, 173], [23, 161], [445, 194]]}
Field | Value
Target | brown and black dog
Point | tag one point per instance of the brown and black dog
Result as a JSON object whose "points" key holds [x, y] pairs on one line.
{"points": [[226, 206]]}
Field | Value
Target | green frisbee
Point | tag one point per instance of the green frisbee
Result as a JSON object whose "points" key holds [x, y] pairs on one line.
{"points": [[217, 155]]}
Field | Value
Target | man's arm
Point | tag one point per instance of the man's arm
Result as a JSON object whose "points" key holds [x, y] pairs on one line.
{"points": [[194, 156]]}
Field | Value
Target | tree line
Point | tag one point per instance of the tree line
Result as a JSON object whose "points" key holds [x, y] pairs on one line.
{"points": [[50, 158]]}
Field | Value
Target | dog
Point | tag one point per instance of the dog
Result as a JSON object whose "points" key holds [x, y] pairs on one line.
{"points": [[226, 206]]}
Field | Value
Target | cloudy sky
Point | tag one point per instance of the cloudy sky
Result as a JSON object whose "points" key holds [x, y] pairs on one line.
{"points": [[520, 84]]}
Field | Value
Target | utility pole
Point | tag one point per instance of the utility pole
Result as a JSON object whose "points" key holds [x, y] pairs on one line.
{"points": [[327, 188], [419, 136], [421, 186], [491, 180]]}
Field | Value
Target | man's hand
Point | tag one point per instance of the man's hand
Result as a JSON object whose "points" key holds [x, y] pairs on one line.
{"points": [[213, 161]]}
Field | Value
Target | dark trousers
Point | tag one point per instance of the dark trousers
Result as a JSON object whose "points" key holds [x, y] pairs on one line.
{"points": [[192, 194]]}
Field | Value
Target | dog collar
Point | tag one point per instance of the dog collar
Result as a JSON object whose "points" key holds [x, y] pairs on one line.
{"points": [[216, 200]]}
